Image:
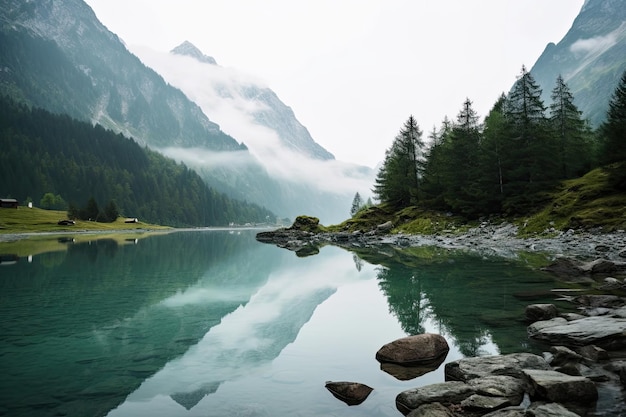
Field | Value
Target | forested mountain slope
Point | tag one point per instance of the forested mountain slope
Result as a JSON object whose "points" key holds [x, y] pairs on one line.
{"points": [[46, 153], [56, 55]]}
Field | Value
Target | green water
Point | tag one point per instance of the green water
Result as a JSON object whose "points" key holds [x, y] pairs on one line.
{"points": [[213, 323]]}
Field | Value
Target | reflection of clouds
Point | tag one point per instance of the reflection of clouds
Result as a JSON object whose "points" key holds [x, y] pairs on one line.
{"points": [[247, 340], [198, 296]]}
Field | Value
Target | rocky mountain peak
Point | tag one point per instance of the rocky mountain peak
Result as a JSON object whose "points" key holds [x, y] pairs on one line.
{"points": [[590, 57], [189, 49]]}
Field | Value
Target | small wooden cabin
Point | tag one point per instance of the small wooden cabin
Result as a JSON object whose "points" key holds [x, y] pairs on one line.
{"points": [[8, 203]]}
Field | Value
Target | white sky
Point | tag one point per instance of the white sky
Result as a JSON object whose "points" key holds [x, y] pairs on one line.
{"points": [[354, 70]]}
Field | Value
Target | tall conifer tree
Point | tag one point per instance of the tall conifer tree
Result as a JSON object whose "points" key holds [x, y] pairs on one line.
{"points": [[569, 130], [613, 130], [531, 150], [397, 182], [461, 172]]}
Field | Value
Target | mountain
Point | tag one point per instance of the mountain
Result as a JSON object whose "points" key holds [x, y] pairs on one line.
{"points": [[269, 110], [590, 58], [56, 55], [49, 153], [311, 180]]}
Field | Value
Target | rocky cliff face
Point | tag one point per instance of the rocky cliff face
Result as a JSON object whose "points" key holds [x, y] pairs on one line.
{"points": [[591, 57]]}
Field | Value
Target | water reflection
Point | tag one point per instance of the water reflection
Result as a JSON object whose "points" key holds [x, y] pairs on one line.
{"points": [[212, 323], [83, 328]]}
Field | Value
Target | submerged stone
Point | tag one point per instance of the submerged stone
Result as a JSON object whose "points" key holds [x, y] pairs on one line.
{"points": [[351, 393]]}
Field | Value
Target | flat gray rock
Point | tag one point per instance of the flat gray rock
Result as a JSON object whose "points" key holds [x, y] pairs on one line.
{"points": [[558, 387], [604, 331], [445, 393], [510, 365]]}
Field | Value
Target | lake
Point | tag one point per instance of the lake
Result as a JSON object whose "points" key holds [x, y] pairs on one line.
{"points": [[214, 323]]}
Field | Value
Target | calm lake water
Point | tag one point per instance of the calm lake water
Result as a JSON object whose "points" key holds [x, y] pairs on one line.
{"points": [[213, 323]]}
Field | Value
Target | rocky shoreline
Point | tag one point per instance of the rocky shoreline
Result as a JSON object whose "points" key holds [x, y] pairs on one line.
{"points": [[582, 372], [489, 239]]}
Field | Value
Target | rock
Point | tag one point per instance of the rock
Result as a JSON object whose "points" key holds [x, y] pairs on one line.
{"points": [[564, 267], [619, 312], [484, 403], [550, 410], [351, 393], [610, 283], [606, 301], [306, 223], [572, 316], [593, 353], [508, 412], [446, 393], [431, 410], [503, 386], [535, 312], [606, 332], [599, 266], [414, 350], [563, 355], [307, 250], [622, 253], [511, 365], [494, 392], [558, 387], [602, 248], [385, 227]]}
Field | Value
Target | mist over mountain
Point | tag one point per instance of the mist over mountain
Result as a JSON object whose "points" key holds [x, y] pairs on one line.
{"points": [[591, 58], [262, 104], [250, 111], [56, 55]]}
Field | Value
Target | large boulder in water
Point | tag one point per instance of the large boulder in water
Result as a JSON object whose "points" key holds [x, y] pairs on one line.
{"points": [[414, 350]]}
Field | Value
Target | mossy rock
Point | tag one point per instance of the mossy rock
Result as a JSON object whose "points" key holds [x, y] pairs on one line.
{"points": [[307, 224]]}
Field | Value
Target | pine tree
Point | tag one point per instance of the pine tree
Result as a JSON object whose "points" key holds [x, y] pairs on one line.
{"points": [[613, 133], [432, 186], [357, 203], [461, 162], [531, 154], [111, 212], [397, 181], [613, 130], [91, 210], [574, 153]]}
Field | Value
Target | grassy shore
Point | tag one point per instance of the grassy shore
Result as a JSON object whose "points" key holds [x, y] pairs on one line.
{"points": [[45, 235], [35, 220]]}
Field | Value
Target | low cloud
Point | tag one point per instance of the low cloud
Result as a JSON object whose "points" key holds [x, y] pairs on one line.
{"points": [[595, 44], [223, 95]]}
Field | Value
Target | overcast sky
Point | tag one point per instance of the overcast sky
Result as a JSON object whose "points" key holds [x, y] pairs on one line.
{"points": [[354, 70]]}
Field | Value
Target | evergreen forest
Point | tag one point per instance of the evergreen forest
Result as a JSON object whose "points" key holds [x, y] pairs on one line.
{"points": [[59, 161], [509, 164]]}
